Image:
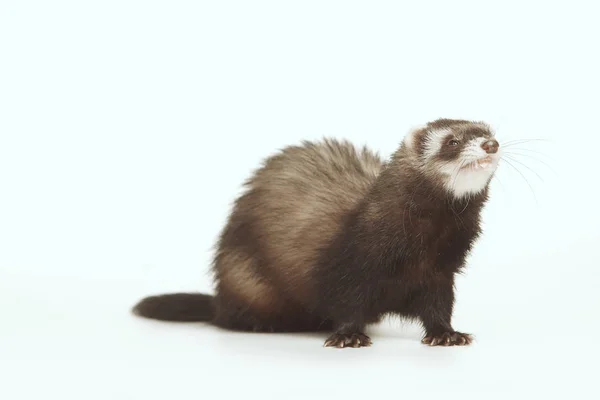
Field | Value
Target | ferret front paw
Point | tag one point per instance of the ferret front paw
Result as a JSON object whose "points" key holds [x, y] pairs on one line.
{"points": [[342, 340], [448, 339]]}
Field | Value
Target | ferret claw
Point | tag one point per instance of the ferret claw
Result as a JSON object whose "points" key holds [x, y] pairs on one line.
{"points": [[354, 340], [448, 339]]}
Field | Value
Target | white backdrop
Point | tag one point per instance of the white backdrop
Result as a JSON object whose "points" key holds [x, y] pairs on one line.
{"points": [[127, 128]]}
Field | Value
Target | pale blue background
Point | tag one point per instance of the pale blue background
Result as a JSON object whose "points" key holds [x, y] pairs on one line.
{"points": [[127, 127]]}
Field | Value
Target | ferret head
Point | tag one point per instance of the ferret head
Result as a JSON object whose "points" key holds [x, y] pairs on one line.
{"points": [[461, 155]]}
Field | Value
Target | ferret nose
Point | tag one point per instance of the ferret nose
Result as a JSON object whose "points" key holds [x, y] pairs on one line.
{"points": [[490, 146]]}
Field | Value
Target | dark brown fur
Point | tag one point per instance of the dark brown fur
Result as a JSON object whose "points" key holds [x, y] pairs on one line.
{"points": [[327, 237]]}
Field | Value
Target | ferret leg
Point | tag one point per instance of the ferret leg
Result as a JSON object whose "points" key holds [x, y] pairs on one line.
{"points": [[348, 334], [436, 314]]}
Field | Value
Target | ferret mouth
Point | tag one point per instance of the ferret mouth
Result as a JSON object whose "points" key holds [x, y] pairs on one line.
{"points": [[482, 163]]}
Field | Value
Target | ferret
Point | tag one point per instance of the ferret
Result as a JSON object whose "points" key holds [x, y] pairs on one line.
{"points": [[330, 237]]}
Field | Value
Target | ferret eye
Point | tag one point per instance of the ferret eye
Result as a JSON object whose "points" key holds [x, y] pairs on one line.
{"points": [[453, 142]]}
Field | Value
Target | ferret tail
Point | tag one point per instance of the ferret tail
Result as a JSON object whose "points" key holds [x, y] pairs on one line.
{"points": [[176, 307]]}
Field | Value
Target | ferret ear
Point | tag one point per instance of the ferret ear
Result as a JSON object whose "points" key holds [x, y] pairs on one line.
{"points": [[412, 137]]}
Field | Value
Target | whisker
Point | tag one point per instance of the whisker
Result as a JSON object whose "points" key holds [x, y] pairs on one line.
{"points": [[524, 178], [456, 172], [532, 151], [525, 165], [528, 139], [533, 158], [522, 141], [466, 205], [500, 182]]}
